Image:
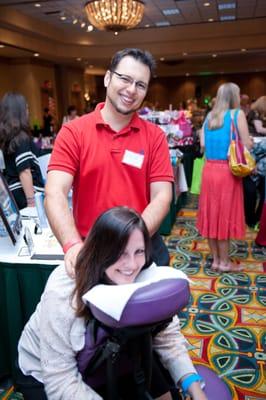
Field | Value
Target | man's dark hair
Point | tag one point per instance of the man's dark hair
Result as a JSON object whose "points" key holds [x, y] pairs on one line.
{"points": [[142, 56]]}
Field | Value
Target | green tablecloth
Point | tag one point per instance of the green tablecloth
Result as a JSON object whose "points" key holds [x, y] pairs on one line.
{"points": [[21, 286]]}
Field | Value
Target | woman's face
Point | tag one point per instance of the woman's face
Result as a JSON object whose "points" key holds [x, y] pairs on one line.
{"points": [[130, 263]]}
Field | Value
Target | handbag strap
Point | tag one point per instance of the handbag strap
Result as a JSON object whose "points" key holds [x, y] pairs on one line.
{"points": [[234, 135]]}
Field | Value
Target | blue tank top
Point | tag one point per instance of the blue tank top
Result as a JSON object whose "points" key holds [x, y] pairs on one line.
{"points": [[217, 140]]}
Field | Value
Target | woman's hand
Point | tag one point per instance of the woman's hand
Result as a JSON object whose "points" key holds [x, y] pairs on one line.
{"points": [[196, 392]]}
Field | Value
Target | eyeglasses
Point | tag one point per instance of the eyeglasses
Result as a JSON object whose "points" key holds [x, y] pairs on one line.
{"points": [[128, 81]]}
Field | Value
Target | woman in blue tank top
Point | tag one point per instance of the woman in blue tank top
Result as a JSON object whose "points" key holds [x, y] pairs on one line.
{"points": [[221, 205]]}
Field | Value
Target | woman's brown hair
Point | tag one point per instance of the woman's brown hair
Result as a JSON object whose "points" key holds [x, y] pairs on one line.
{"points": [[14, 121], [103, 246]]}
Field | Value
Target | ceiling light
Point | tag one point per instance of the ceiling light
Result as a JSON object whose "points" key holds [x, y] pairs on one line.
{"points": [[2, 46], [78, 59], [114, 15], [226, 6], [214, 55], [91, 66], [116, 33], [83, 24], [75, 21], [243, 50], [187, 74], [147, 26], [89, 28], [162, 59], [63, 18], [162, 23], [207, 4], [36, 54], [171, 11], [37, 5], [227, 17], [210, 19], [184, 54]]}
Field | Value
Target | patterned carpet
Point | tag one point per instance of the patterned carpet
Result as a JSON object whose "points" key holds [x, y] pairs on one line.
{"points": [[225, 320]]}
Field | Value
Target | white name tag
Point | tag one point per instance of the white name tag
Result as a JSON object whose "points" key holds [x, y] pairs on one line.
{"points": [[134, 159]]}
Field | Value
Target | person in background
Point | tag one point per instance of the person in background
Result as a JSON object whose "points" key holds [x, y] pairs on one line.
{"points": [[111, 157], [256, 117], [245, 103], [115, 251], [22, 170], [48, 127], [221, 214], [72, 113]]}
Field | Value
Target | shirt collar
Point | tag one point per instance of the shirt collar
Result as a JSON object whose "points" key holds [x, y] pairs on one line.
{"points": [[134, 124]]}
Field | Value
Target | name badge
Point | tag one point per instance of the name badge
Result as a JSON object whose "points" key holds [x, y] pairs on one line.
{"points": [[133, 159]]}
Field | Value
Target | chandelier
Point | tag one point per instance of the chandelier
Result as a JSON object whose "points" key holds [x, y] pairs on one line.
{"points": [[114, 15]]}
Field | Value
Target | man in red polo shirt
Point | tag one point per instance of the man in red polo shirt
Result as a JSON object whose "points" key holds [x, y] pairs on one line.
{"points": [[111, 157]]}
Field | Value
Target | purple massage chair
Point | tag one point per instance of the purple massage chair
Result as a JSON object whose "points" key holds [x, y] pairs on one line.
{"points": [[115, 348]]}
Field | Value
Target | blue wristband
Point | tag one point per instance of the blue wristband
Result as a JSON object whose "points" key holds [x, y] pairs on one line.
{"points": [[185, 384]]}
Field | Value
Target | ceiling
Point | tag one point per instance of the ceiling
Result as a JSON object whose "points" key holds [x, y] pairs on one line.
{"points": [[185, 36]]}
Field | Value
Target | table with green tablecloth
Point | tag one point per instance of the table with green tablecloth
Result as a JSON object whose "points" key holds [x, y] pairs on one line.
{"points": [[21, 286]]}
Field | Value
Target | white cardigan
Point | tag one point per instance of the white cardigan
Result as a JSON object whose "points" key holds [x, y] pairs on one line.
{"points": [[53, 336]]}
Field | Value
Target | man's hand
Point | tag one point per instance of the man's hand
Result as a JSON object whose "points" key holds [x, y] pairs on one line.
{"points": [[71, 258]]}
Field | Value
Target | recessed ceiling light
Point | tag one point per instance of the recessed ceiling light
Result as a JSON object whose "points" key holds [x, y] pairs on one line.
{"points": [[63, 18], [161, 58], [116, 33], [187, 74], [184, 54], [147, 25], [90, 28], [2, 46], [171, 11], [36, 54], [227, 17], [37, 5], [214, 55], [75, 21], [162, 23], [83, 24], [78, 59], [210, 19], [226, 6], [207, 4], [243, 50]]}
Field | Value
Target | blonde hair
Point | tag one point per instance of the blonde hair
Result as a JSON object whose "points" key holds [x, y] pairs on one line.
{"points": [[228, 97], [260, 105]]}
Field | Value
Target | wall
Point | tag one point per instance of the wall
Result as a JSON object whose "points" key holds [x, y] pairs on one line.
{"points": [[27, 78], [173, 90]]}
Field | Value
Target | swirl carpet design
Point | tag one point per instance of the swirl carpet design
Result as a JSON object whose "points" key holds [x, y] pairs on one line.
{"points": [[225, 320]]}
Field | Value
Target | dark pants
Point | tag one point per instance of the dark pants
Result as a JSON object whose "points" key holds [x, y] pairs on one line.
{"points": [[253, 199], [159, 251], [160, 383], [29, 386]]}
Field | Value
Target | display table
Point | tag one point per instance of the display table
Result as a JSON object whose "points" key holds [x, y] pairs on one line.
{"points": [[21, 286], [22, 281], [179, 189]]}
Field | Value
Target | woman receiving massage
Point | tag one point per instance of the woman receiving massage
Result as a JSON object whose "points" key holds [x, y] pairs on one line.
{"points": [[115, 251]]}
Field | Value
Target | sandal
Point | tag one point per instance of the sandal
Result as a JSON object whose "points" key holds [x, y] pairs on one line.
{"points": [[230, 267]]}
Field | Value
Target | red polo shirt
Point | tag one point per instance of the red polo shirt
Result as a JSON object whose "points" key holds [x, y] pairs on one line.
{"points": [[105, 173]]}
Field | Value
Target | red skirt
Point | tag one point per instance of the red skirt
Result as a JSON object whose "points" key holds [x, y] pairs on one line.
{"points": [[221, 203]]}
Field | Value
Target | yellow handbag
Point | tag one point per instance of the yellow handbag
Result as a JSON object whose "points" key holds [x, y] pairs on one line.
{"points": [[241, 162]]}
